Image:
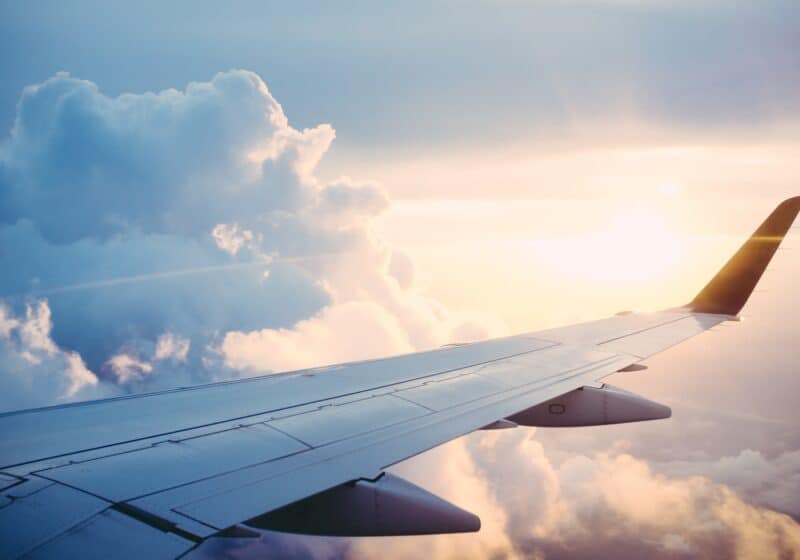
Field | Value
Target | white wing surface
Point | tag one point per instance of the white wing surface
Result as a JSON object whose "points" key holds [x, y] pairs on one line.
{"points": [[153, 475]]}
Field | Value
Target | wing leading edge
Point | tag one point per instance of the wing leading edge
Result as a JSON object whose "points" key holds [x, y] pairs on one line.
{"points": [[156, 474]]}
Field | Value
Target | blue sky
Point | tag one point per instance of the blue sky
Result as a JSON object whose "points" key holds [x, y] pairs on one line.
{"points": [[192, 192], [416, 73]]}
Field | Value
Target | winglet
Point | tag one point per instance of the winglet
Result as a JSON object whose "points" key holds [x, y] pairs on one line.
{"points": [[728, 291]]}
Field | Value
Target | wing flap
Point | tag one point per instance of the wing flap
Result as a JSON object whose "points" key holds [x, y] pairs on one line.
{"points": [[41, 511], [128, 475], [232, 498], [112, 534]]}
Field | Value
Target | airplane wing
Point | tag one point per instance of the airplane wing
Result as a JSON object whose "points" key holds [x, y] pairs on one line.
{"points": [[153, 475]]}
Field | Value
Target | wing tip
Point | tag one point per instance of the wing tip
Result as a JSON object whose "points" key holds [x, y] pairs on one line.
{"points": [[731, 287]]}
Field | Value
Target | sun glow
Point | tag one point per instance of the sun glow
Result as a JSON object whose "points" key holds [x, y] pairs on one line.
{"points": [[638, 244]]}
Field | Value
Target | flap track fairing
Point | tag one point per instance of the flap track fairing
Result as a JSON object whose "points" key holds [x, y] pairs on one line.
{"points": [[387, 506]]}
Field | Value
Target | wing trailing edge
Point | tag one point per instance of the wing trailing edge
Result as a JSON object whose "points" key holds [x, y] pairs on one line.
{"points": [[730, 288]]}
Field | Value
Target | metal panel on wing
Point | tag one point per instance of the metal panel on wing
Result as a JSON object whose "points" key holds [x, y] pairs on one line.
{"points": [[136, 473], [332, 423], [113, 535], [439, 395], [262, 488], [77, 427], [659, 338], [33, 518]]}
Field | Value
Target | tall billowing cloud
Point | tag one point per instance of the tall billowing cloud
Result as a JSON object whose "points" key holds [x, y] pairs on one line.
{"points": [[183, 236]]}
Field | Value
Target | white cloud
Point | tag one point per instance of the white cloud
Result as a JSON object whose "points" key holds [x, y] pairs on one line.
{"points": [[182, 199], [7, 322], [127, 368], [345, 204], [34, 371], [34, 332], [770, 482], [349, 331], [355, 329], [601, 505], [167, 162], [171, 347], [619, 497], [78, 374], [231, 238]]}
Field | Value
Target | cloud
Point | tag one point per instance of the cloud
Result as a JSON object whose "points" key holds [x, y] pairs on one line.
{"points": [[611, 503], [353, 330], [769, 482], [34, 333], [171, 347], [35, 371], [231, 238], [158, 163], [127, 368], [348, 331], [199, 240]]}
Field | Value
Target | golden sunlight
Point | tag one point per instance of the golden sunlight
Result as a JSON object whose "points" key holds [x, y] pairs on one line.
{"points": [[639, 244]]}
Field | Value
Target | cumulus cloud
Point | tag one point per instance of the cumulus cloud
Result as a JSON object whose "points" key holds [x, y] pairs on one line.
{"points": [[197, 213], [231, 238], [34, 333], [128, 368], [348, 331], [611, 504], [171, 347], [166, 162], [772, 482], [35, 371]]}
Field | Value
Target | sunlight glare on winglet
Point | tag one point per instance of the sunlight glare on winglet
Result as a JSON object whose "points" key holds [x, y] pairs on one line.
{"points": [[731, 287]]}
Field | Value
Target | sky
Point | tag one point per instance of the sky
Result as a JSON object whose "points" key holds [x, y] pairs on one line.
{"points": [[194, 192]]}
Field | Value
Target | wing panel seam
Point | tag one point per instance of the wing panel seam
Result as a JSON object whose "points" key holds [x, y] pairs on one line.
{"points": [[683, 317], [236, 418], [444, 416]]}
